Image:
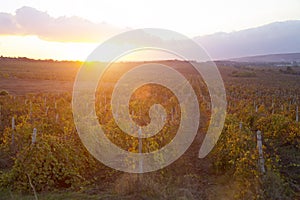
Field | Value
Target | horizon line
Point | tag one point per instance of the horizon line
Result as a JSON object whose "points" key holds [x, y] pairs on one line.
{"points": [[125, 61]]}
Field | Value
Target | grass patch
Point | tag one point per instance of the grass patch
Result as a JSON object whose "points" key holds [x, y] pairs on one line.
{"points": [[243, 74]]}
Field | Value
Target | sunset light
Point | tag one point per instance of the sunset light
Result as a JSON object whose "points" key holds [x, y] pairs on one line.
{"points": [[71, 30], [149, 100]]}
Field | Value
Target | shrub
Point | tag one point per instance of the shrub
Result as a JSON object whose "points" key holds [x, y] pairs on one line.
{"points": [[243, 74], [3, 93]]}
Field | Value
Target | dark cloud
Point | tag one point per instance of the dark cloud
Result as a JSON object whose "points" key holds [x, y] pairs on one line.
{"points": [[29, 21]]}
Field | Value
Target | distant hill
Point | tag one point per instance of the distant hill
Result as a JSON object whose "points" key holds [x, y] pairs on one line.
{"points": [[274, 38], [271, 58]]}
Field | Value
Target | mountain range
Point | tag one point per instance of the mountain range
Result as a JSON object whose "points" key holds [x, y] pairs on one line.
{"points": [[274, 38], [271, 58]]}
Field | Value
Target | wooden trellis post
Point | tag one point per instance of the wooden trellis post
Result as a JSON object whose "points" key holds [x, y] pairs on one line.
{"points": [[56, 118], [140, 150], [13, 127], [297, 115], [261, 160], [47, 109], [45, 102], [30, 111], [34, 136]]}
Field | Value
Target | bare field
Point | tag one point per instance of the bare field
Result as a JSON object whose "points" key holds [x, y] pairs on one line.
{"points": [[22, 76]]}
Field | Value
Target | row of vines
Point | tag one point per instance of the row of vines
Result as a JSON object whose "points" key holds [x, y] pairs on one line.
{"points": [[56, 159]]}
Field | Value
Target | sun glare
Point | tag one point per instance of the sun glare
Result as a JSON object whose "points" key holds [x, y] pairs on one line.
{"points": [[34, 47]]}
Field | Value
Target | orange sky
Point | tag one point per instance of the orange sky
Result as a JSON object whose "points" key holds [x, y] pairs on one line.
{"points": [[70, 30]]}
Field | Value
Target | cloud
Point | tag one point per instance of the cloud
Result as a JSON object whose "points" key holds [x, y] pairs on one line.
{"points": [[29, 21], [8, 24]]}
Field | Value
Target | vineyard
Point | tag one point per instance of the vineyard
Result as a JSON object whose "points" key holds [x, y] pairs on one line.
{"points": [[42, 156]]}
